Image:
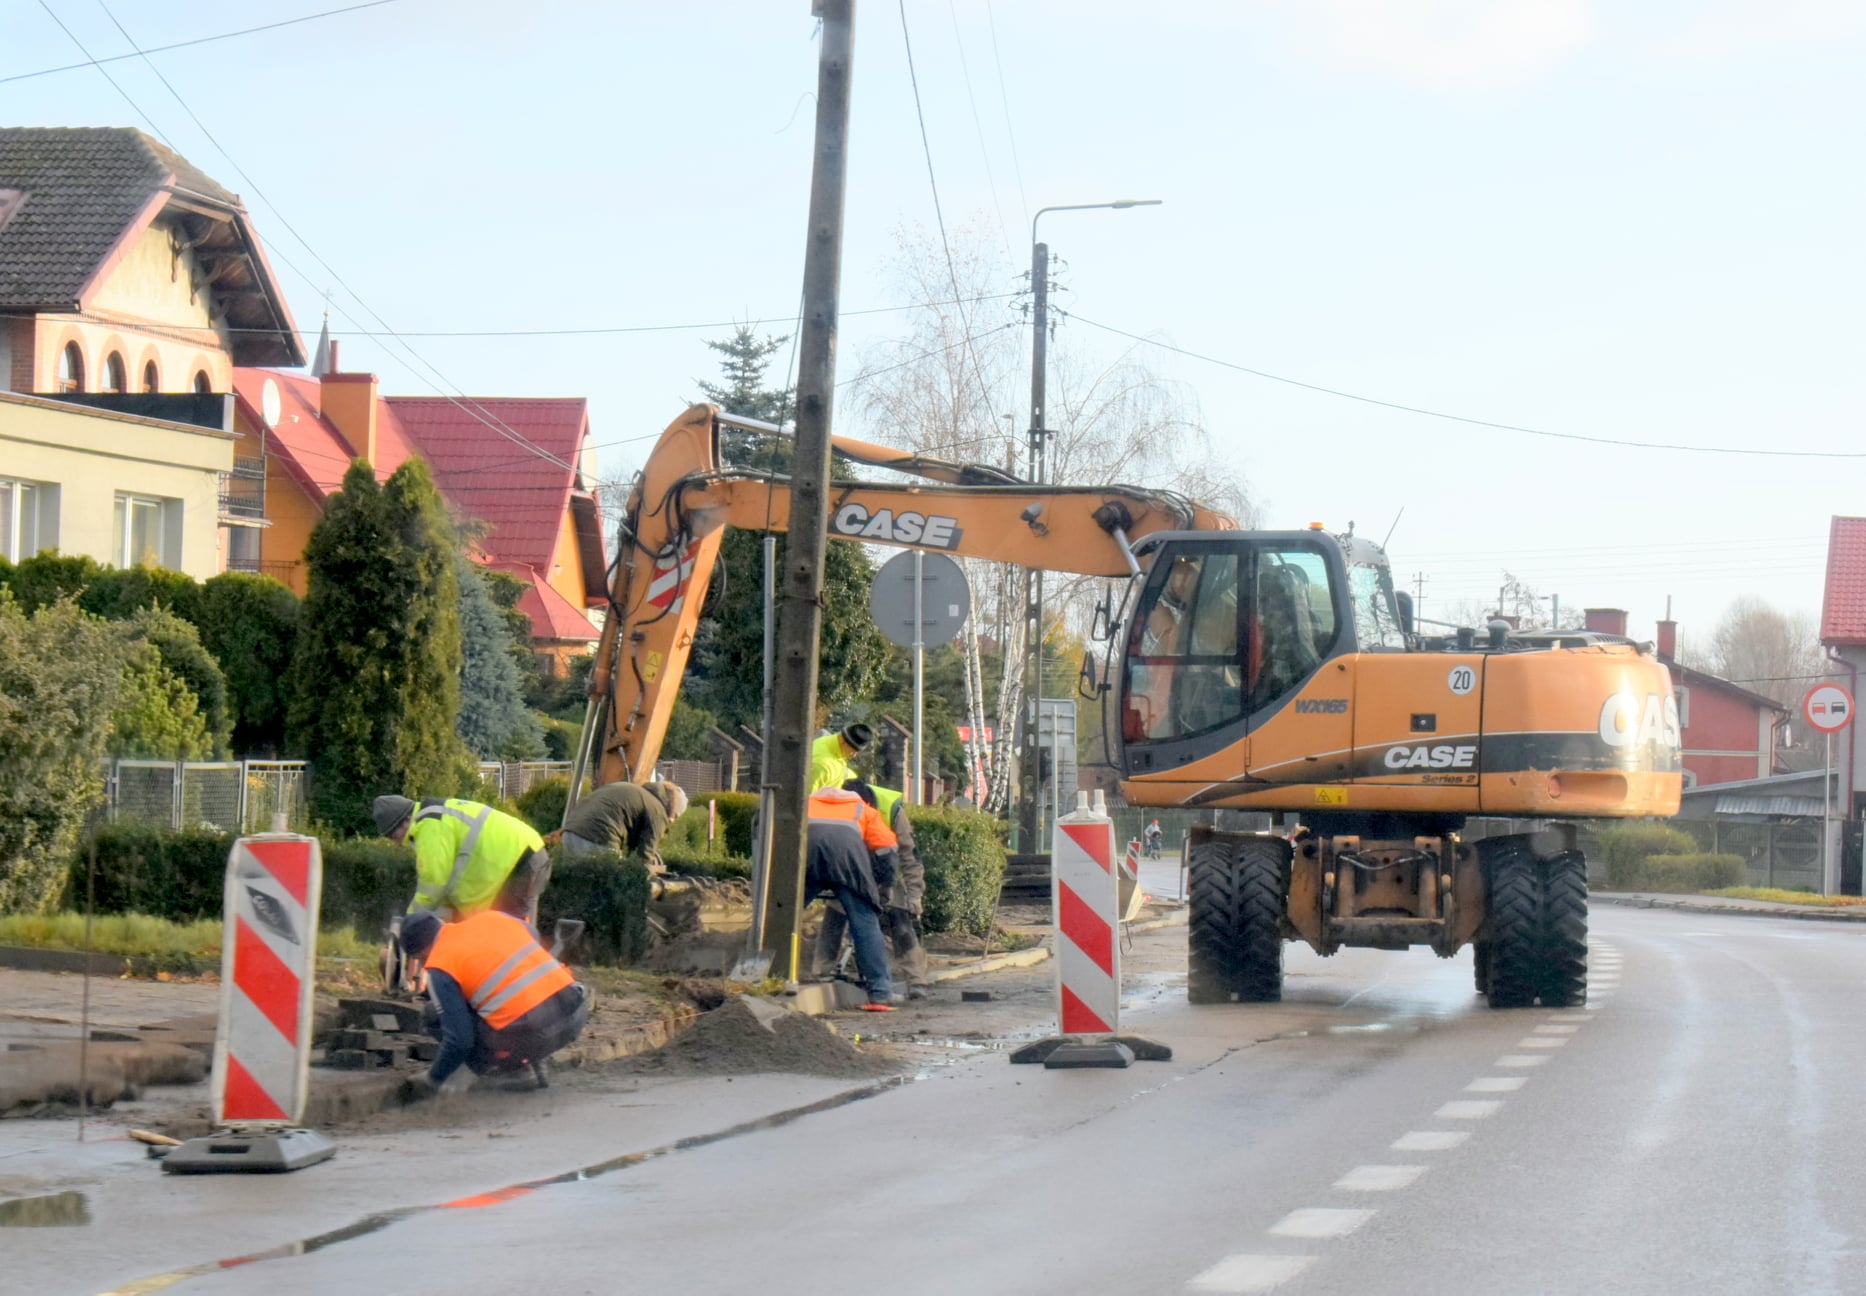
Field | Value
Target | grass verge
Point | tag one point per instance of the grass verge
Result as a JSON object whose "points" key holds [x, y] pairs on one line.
{"points": [[1775, 895], [172, 948]]}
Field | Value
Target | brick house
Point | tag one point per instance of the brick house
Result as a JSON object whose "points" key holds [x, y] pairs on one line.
{"points": [[1843, 634], [512, 464]]}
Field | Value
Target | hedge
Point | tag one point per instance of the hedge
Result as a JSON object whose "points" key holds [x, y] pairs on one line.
{"points": [[610, 894], [963, 851], [1691, 871], [180, 876], [1626, 847], [542, 804]]}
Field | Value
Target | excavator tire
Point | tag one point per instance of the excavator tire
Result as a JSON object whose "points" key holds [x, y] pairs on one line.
{"points": [[1235, 931], [1564, 930], [1514, 922]]}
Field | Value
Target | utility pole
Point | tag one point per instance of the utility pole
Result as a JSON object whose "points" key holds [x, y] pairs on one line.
{"points": [[1030, 752], [800, 621]]}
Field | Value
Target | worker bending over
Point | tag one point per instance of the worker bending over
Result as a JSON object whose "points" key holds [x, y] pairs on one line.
{"points": [[629, 818], [468, 857], [900, 917], [830, 755], [504, 1002], [852, 857]]}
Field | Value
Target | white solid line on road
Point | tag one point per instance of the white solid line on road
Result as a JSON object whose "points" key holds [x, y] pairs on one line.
{"points": [[1542, 1041], [1320, 1222], [1556, 1030], [1250, 1273], [1468, 1109], [1497, 1084], [1521, 1060], [1431, 1140], [1378, 1178]]}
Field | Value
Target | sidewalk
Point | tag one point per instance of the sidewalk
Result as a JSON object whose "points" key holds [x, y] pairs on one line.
{"points": [[1726, 904]]}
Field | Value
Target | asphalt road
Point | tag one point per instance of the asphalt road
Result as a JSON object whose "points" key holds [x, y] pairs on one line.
{"points": [[1696, 1128]]}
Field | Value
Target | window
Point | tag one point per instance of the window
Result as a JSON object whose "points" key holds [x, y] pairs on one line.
{"points": [[1683, 695], [71, 368], [152, 381], [1224, 629], [241, 546], [28, 518], [203, 385], [145, 532], [116, 377]]}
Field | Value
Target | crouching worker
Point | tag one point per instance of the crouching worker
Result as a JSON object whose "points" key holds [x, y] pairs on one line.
{"points": [[901, 916], [852, 857], [504, 1002], [628, 818]]}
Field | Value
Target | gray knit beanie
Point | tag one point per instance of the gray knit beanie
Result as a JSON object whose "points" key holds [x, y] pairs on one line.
{"points": [[389, 812]]}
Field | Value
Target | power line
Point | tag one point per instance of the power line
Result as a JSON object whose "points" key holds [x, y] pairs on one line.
{"points": [[1459, 418], [493, 423], [1005, 100], [134, 106], [187, 44]]}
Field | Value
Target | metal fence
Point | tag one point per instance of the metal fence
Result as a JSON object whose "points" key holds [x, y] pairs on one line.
{"points": [[498, 781], [231, 796]]}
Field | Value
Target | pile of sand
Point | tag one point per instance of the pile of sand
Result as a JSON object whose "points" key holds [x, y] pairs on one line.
{"points": [[746, 1036]]}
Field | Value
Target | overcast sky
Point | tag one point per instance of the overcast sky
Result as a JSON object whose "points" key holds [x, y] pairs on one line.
{"points": [[1631, 222]]}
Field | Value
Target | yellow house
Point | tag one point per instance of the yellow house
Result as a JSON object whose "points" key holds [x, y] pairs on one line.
{"points": [[128, 280]]}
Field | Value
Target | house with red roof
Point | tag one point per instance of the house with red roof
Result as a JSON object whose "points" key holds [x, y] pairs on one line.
{"points": [[511, 465], [1843, 634]]}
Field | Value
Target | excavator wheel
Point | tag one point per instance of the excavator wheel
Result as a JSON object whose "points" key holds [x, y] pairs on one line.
{"points": [[1564, 930], [1513, 971], [1235, 931], [1480, 960]]}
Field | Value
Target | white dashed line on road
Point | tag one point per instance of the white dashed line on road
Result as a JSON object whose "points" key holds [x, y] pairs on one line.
{"points": [[1250, 1273], [1542, 1041], [1496, 1084], [1320, 1222], [1468, 1109], [1379, 1178], [1431, 1140], [1556, 1030], [1521, 1060]]}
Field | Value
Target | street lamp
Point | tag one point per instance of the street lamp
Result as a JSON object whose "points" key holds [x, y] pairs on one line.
{"points": [[1030, 779]]}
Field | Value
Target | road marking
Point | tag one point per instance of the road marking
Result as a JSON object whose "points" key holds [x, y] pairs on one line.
{"points": [[1468, 1109], [1250, 1273], [1521, 1060], [1569, 1017], [1556, 1030], [1497, 1084], [1320, 1222], [1542, 1041], [1431, 1140], [1378, 1178]]}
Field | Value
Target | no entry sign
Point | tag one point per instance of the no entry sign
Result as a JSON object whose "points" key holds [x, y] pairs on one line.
{"points": [[1828, 708]]}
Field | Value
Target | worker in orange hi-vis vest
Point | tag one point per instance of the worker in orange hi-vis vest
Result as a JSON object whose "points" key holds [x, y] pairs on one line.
{"points": [[505, 1003], [852, 857]]}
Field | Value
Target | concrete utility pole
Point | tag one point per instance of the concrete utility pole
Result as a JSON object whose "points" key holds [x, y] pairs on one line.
{"points": [[800, 622]]}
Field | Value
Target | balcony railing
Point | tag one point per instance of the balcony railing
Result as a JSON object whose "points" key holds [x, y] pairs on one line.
{"points": [[243, 491]]}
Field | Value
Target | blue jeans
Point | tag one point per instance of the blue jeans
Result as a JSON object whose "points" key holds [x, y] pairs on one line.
{"points": [[871, 947]]}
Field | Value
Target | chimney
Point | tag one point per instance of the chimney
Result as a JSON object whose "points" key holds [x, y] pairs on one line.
{"points": [[1668, 640], [1607, 621], [348, 402]]}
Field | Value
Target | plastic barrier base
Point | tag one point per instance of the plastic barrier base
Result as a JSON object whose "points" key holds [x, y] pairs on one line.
{"points": [[272, 1151]]}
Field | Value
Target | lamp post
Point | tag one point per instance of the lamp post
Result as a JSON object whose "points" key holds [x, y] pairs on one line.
{"points": [[1030, 775]]}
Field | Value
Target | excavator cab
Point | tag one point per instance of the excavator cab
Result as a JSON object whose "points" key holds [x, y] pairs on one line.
{"points": [[1228, 627]]}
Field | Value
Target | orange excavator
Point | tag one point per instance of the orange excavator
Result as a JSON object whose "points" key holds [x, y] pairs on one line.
{"points": [[1256, 670]]}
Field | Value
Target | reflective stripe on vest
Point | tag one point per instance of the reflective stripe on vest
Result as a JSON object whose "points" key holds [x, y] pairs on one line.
{"points": [[499, 965]]}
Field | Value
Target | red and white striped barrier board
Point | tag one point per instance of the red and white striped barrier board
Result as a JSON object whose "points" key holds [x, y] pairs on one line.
{"points": [[267, 970], [1088, 953], [1130, 862]]}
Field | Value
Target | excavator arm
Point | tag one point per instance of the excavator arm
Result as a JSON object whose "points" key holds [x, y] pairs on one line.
{"points": [[685, 498]]}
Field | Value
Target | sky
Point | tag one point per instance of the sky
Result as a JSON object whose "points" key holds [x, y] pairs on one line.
{"points": [[1619, 244]]}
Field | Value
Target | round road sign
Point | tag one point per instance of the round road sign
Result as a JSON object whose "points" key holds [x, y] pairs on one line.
{"points": [[945, 599], [1828, 708]]}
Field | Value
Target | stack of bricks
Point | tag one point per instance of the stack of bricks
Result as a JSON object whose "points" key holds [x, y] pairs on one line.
{"points": [[379, 1033]]}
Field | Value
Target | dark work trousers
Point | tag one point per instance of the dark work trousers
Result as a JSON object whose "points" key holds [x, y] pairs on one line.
{"points": [[526, 883], [908, 955], [871, 945], [539, 1033]]}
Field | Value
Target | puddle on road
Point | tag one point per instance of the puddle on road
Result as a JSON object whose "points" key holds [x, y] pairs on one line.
{"points": [[56, 1210]]}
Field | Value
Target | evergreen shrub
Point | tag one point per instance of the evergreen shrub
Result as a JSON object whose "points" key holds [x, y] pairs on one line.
{"points": [[1691, 872], [542, 804], [963, 851], [1626, 847], [140, 869], [609, 892]]}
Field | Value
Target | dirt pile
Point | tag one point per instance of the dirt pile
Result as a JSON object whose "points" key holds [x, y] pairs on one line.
{"points": [[746, 1036]]}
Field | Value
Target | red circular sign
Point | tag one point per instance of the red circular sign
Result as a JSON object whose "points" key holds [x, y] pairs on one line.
{"points": [[1828, 708]]}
